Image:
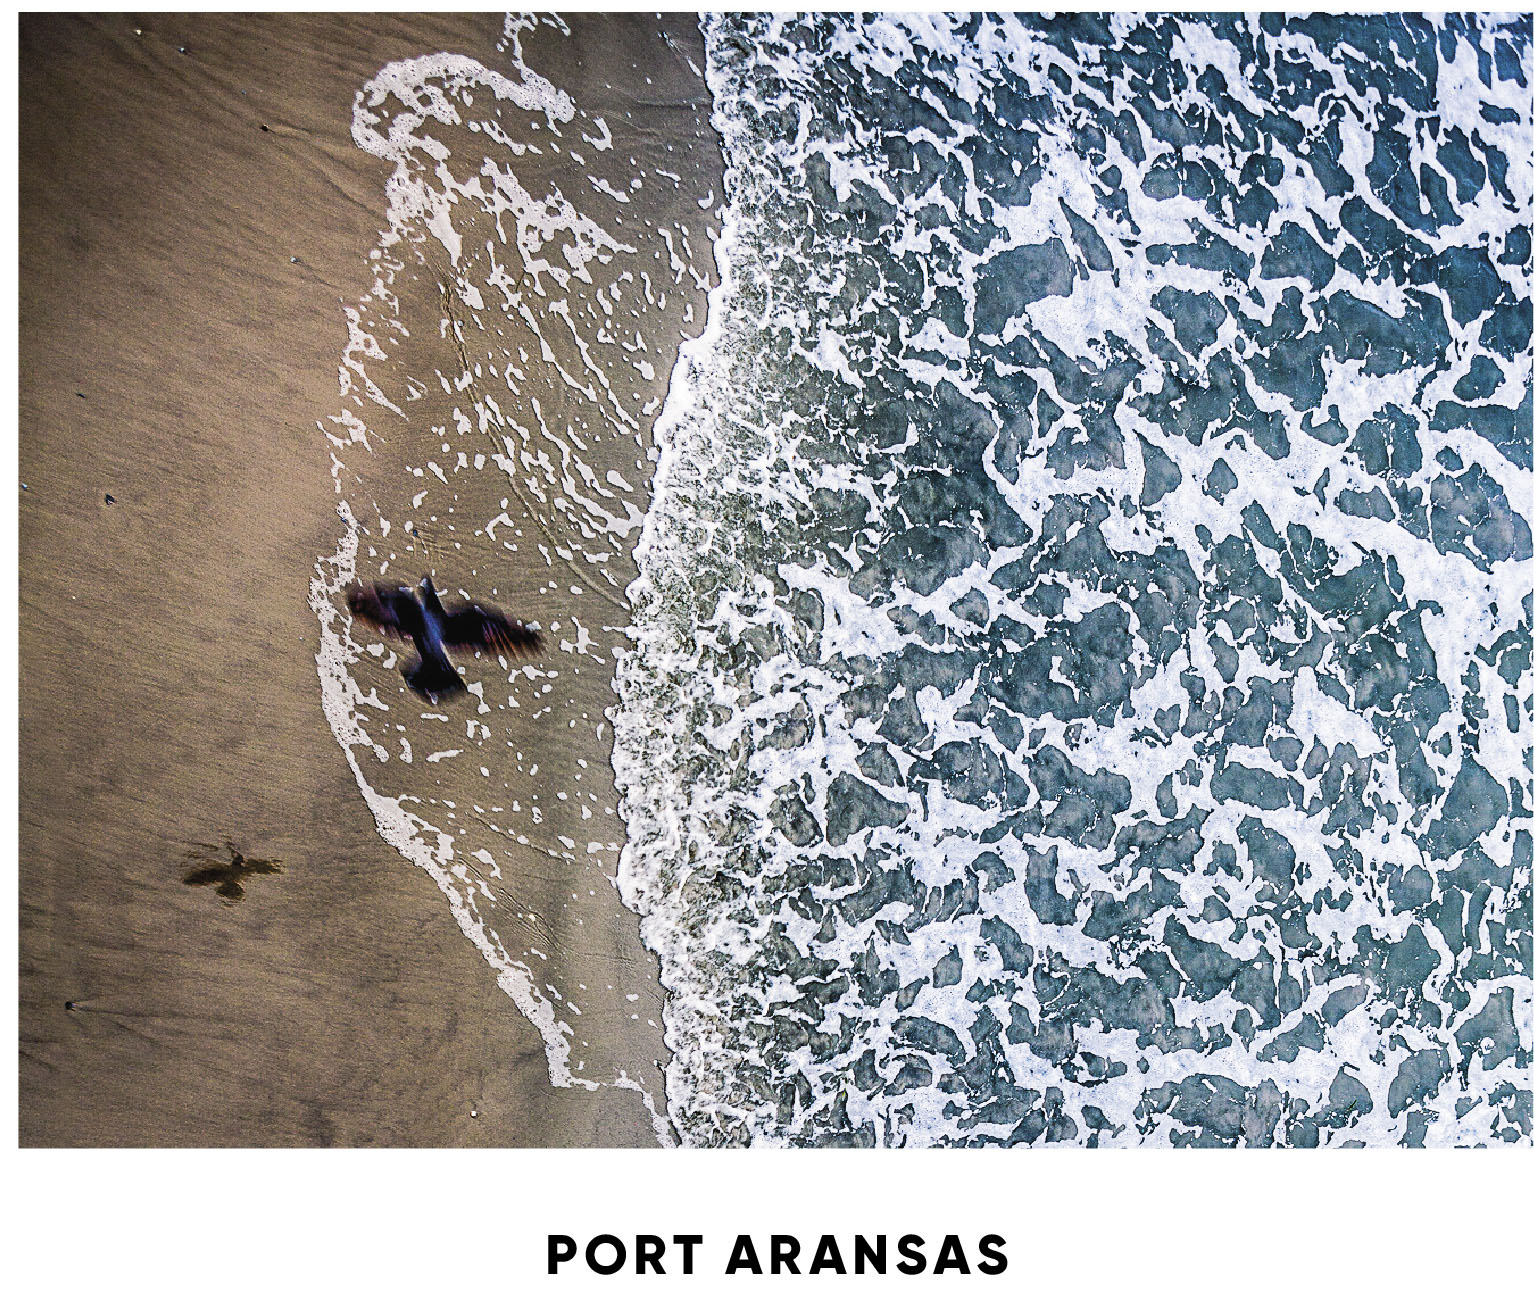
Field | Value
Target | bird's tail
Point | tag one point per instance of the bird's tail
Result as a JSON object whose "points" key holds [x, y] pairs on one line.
{"points": [[435, 677]]}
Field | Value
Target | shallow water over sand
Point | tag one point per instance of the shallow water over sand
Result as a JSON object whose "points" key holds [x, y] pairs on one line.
{"points": [[535, 279]]}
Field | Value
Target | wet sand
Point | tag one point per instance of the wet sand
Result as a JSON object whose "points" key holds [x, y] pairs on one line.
{"points": [[182, 275]]}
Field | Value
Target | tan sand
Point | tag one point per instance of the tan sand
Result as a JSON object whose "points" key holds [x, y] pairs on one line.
{"points": [[182, 272]]}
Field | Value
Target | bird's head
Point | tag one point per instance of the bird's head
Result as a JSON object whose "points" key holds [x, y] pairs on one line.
{"points": [[428, 596]]}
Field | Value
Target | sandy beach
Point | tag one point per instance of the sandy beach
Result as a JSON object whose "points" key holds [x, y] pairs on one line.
{"points": [[194, 217]]}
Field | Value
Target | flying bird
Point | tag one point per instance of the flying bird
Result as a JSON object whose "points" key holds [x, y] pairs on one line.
{"points": [[400, 612]]}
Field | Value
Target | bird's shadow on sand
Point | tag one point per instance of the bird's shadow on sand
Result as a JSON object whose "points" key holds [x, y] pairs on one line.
{"points": [[226, 877]]}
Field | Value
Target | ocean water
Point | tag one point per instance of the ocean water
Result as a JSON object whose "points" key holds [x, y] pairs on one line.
{"points": [[1073, 677], [1081, 684]]}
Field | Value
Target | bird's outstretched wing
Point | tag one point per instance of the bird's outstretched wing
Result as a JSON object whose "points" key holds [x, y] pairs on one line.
{"points": [[386, 607], [469, 625]]}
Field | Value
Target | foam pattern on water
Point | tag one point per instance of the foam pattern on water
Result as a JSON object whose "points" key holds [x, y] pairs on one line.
{"points": [[1081, 688]]}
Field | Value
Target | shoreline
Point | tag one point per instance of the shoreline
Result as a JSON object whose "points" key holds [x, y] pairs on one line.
{"points": [[183, 250]]}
